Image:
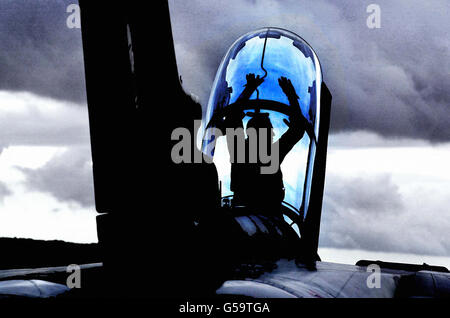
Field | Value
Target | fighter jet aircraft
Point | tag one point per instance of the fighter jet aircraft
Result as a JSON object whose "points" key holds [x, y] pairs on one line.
{"points": [[231, 224]]}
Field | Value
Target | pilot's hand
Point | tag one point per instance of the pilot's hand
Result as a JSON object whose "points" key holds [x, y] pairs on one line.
{"points": [[287, 87], [252, 81]]}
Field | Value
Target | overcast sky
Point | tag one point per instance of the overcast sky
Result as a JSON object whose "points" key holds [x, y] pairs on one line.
{"points": [[46, 189], [392, 80], [387, 186]]}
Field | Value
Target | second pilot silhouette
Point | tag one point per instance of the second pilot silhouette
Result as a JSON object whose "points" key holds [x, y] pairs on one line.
{"points": [[263, 192]]}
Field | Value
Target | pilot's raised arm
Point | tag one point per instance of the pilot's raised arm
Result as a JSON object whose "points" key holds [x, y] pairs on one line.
{"points": [[297, 122], [234, 118], [252, 84]]}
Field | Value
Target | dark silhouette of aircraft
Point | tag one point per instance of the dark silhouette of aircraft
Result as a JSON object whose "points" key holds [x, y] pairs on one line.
{"points": [[222, 229]]}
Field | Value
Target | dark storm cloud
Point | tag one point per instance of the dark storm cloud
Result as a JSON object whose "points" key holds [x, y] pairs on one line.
{"points": [[4, 191], [393, 80], [31, 120], [38, 52], [67, 176], [371, 214], [365, 195]]}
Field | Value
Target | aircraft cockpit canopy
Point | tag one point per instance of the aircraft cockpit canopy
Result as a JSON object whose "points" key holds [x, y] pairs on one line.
{"points": [[277, 60]]}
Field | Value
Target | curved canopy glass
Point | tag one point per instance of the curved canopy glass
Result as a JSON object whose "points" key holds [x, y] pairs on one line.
{"points": [[266, 56]]}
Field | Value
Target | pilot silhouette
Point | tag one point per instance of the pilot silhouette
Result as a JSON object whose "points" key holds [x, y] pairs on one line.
{"points": [[263, 192]]}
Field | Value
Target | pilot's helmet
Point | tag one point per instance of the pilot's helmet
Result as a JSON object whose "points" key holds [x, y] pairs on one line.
{"points": [[269, 53]]}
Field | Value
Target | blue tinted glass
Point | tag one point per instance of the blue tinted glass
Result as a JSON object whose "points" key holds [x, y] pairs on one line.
{"points": [[270, 53]]}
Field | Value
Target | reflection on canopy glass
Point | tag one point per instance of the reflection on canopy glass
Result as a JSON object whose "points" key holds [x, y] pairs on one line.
{"points": [[271, 54]]}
